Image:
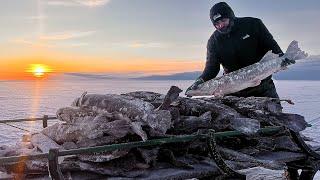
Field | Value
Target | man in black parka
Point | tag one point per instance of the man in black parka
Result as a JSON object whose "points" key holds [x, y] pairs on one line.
{"points": [[237, 43]]}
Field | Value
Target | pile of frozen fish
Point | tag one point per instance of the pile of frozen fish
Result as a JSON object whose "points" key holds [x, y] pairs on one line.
{"points": [[96, 119]]}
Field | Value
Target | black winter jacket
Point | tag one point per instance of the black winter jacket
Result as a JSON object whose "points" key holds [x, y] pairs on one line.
{"points": [[248, 41]]}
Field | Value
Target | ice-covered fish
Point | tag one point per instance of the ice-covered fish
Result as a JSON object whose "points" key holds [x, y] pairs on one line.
{"points": [[135, 109], [249, 76]]}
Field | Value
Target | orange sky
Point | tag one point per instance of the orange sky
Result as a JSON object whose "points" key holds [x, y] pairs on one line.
{"points": [[16, 68]]}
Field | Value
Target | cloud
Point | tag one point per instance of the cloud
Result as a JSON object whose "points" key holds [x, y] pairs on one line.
{"points": [[67, 35], [39, 44], [61, 3], [54, 40], [30, 43], [138, 45], [88, 3], [36, 17], [148, 45], [92, 3], [76, 44]]}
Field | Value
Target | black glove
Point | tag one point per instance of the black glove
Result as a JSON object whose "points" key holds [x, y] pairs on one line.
{"points": [[195, 84], [225, 70], [286, 61]]}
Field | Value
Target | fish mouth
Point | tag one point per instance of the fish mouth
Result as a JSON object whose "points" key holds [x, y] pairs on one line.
{"points": [[192, 93]]}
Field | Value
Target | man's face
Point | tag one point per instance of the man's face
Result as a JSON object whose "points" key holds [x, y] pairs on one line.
{"points": [[222, 24]]}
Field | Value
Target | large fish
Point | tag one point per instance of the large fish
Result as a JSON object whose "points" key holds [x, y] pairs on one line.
{"points": [[249, 76], [139, 111]]}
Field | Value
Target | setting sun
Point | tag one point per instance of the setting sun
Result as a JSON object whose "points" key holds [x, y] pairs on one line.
{"points": [[39, 70]]}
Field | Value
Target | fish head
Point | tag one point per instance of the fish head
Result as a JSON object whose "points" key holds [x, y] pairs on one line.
{"points": [[205, 89], [191, 93]]}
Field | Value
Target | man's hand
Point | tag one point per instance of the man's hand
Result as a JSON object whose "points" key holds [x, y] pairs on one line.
{"points": [[225, 71], [286, 61], [195, 84]]}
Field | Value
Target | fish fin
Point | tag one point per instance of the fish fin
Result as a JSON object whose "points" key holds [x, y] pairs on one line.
{"points": [[294, 52], [81, 98], [256, 83], [217, 95], [77, 102], [268, 56]]}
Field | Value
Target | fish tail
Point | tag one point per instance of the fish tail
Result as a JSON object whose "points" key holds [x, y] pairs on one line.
{"points": [[294, 52]]}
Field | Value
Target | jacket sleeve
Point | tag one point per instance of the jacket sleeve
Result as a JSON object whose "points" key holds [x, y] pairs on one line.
{"points": [[266, 39], [212, 66]]}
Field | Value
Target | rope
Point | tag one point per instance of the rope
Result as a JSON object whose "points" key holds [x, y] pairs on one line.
{"points": [[17, 127], [316, 120], [316, 123], [6, 122]]}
